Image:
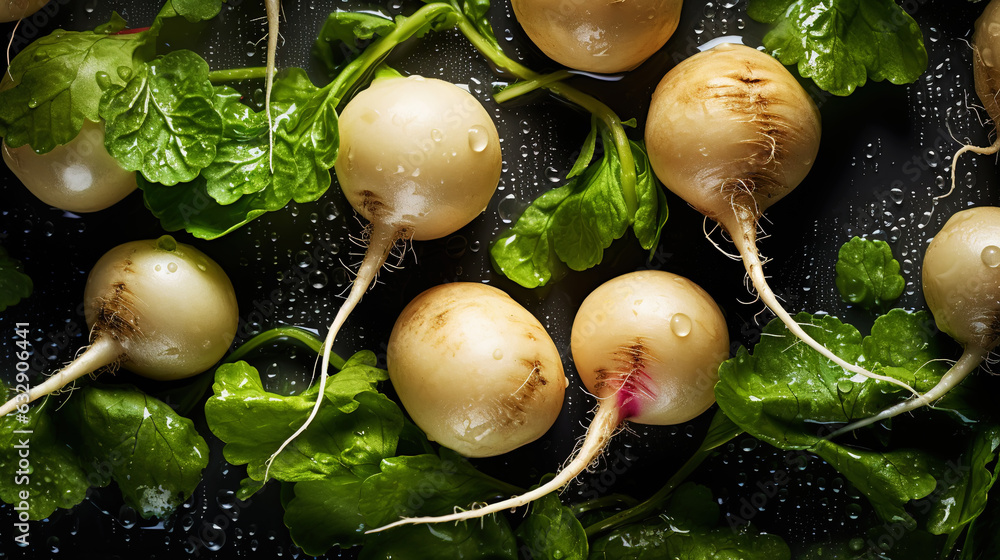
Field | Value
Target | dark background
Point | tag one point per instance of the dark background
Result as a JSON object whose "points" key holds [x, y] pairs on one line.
{"points": [[885, 154]]}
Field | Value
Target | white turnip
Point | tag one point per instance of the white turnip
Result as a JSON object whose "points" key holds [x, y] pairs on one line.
{"points": [[419, 158], [161, 309], [986, 73], [731, 132], [475, 370], [961, 280], [79, 176], [648, 345], [598, 36]]}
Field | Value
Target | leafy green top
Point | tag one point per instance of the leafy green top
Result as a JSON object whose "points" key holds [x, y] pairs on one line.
{"points": [[840, 44]]}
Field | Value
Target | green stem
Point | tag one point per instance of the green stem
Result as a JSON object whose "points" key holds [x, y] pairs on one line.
{"points": [[610, 500], [237, 74], [587, 102], [720, 431], [524, 87], [652, 505], [381, 48], [301, 335]]}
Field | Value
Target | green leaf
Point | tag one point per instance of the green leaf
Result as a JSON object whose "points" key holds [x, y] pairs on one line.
{"points": [[551, 532], [688, 529], [867, 275], [325, 513], [889, 479], [57, 82], [341, 33], [525, 253], [39, 473], [486, 539], [573, 224], [425, 485], [652, 213], [784, 393], [966, 484], [196, 10], [154, 455], [478, 11], [15, 285], [842, 43], [239, 186], [162, 122], [356, 426], [593, 215]]}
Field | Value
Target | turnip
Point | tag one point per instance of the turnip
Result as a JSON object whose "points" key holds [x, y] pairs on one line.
{"points": [[13, 10], [961, 279], [79, 176], [161, 309], [986, 72], [475, 370], [419, 158], [598, 36], [648, 345], [731, 132]]}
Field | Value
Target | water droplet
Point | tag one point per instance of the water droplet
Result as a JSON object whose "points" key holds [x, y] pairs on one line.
{"points": [[166, 243], [172, 267], [318, 279], [991, 256], [498, 354], [158, 268], [680, 324], [478, 138], [125, 73], [845, 386]]}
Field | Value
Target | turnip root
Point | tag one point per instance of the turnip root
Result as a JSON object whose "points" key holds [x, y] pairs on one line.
{"points": [[475, 371], [419, 159], [161, 309], [79, 176], [961, 279], [273, 15], [986, 72], [731, 132], [648, 345], [13, 10], [598, 36]]}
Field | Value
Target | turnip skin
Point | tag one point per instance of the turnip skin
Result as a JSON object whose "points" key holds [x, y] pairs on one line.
{"points": [[598, 36], [161, 309], [13, 10], [649, 377], [79, 176], [475, 370], [434, 163], [731, 132], [961, 281], [419, 158], [653, 337]]}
